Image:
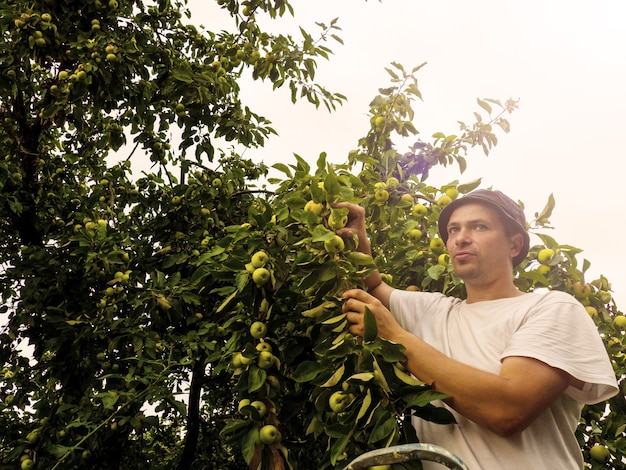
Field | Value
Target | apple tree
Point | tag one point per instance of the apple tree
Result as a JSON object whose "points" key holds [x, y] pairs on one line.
{"points": [[189, 316]]}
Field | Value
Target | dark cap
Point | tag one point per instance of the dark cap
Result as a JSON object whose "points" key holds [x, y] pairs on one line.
{"points": [[510, 213]]}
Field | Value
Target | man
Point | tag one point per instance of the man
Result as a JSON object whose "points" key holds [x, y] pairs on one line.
{"points": [[517, 367]]}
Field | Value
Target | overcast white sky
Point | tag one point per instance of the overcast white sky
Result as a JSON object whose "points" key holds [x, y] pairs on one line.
{"points": [[564, 60]]}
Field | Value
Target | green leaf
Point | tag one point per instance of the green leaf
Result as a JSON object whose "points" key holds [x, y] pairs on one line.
{"points": [[339, 446], [335, 378], [544, 216], [331, 185], [334, 319], [283, 168], [182, 75], [469, 186], [321, 234], [226, 302], [484, 105], [249, 443], [423, 398], [391, 352], [359, 259], [362, 376], [370, 328], [256, 378], [234, 426], [436, 414], [307, 371], [383, 428], [435, 271], [365, 405]]}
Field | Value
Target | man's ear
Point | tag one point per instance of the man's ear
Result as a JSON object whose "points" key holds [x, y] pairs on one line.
{"points": [[517, 243]]}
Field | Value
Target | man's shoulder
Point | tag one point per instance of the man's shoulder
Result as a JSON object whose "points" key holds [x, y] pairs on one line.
{"points": [[557, 297], [418, 297]]}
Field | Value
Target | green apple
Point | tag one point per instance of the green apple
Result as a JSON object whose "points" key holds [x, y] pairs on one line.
{"points": [[273, 382], [599, 453], [452, 193], [444, 200], [543, 269], [260, 407], [27, 464], [33, 437], [337, 221], [406, 197], [239, 360], [264, 346], [86, 455], [261, 276], [381, 195], [315, 207], [620, 321], [339, 401], [605, 296], [443, 259], [415, 235], [419, 210], [545, 255], [259, 259], [242, 403], [258, 330], [392, 182], [581, 290], [269, 434], [265, 360], [334, 245], [437, 244], [592, 311]]}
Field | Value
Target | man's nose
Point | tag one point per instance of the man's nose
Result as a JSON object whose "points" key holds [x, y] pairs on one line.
{"points": [[462, 237]]}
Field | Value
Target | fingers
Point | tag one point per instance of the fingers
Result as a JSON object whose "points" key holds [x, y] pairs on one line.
{"points": [[354, 210], [358, 294], [356, 328]]}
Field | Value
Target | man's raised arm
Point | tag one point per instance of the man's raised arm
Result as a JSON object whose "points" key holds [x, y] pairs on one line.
{"points": [[356, 226]]}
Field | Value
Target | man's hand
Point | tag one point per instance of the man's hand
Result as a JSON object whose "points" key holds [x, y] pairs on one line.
{"points": [[355, 302], [355, 225]]}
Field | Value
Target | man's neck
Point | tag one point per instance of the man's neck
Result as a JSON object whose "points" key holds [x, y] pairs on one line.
{"points": [[494, 292]]}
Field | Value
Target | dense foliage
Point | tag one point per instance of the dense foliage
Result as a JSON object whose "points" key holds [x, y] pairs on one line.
{"points": [[189, 316]]}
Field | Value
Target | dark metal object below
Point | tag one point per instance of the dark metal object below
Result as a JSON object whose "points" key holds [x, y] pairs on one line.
{"points": [[406, 453]]}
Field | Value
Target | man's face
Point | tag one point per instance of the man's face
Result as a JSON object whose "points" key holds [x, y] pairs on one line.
{"points": [[478, 244]]}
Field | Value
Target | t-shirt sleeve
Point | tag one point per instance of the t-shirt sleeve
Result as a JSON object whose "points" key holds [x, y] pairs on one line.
{"points": [[412, 309], [559, 332]]}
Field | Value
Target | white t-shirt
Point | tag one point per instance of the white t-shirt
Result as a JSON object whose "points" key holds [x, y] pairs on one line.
{"points": [[552, 327]]}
